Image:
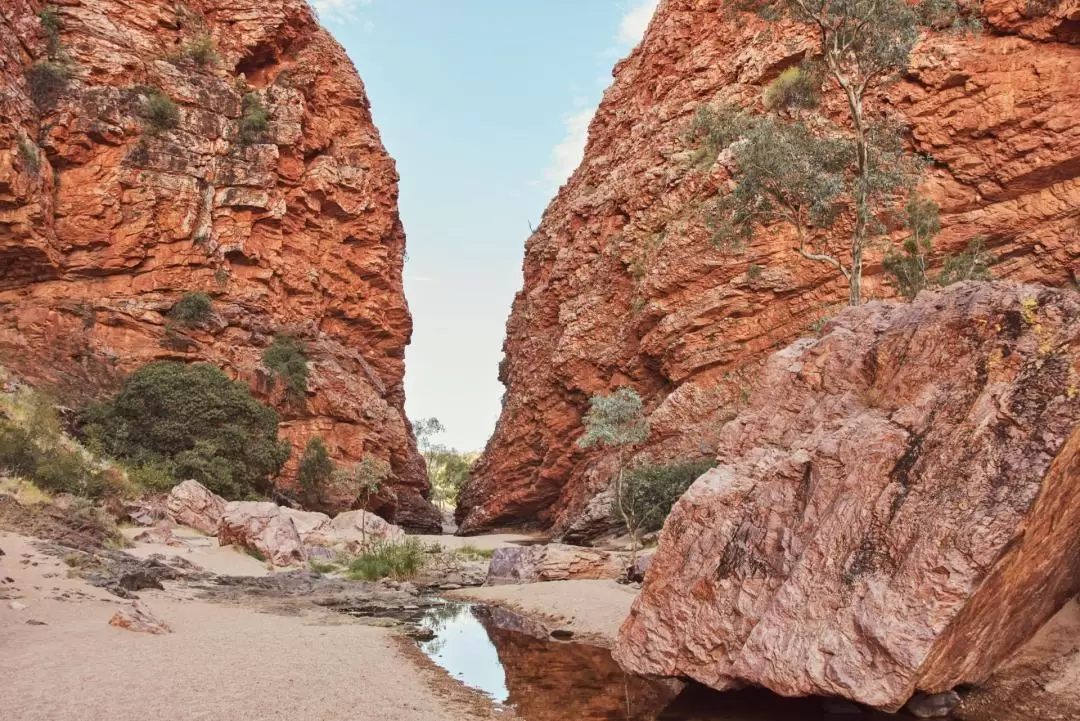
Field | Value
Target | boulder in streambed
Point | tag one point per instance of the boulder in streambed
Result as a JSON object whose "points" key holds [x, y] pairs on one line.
{"points": [[193, 505], [554, 562], [264, 528], [896, 510]]}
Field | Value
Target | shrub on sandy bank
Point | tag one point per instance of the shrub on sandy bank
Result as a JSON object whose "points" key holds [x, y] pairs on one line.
{"points": [[388, 560]]}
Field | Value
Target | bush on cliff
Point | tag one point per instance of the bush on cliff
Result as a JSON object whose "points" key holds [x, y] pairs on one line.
{"points": [[286, 359], [160, 112], [653, 489], [193, 421], [315, 471], [192, 308], [254, 120]]}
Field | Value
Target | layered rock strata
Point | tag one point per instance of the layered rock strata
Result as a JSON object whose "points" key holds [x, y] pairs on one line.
{"points": [[622, 287], [150, 149], [897, 509]]}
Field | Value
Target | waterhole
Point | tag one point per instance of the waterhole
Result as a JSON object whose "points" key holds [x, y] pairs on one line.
{"points": [[517, 663]]}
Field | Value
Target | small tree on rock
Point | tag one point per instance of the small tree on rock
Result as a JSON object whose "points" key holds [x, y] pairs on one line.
{"points": [[618, 421], [316, 470], [364, 479]]}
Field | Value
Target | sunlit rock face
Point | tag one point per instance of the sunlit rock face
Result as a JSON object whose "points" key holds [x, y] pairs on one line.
{"points": [[105, 224], [622, 287], [896, 510]]}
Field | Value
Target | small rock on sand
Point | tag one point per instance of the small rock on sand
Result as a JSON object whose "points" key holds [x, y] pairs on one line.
{"points": [[138, 618]]}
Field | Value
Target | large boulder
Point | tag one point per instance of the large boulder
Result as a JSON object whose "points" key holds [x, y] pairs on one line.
{"points": [[554, 562], [365, 526], [896, 510], [262, 527], [192, 504], [313, 528]]}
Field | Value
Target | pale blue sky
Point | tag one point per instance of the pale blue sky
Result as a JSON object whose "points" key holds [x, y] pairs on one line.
{"points": [[485, 105]]}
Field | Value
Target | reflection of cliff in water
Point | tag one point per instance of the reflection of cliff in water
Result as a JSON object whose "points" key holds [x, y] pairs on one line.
{"points": [[550, 681]]}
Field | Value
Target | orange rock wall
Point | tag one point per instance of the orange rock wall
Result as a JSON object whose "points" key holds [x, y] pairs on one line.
{"points": [[621, 286], [296, 233]]}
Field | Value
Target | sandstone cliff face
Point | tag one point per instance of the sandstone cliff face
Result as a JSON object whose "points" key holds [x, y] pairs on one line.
{"points": [[621, 286], [898, 508], [104, 224]]}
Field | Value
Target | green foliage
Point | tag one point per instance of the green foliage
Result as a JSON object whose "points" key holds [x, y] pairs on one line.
{"points": [[472, 553], [322, 567], [363, 479], [714, 129], [37, 451], [47, 79], [254, 120], [29, 152], [52, 25], [192, 309], [973, 264], [193, 421], [287, 359], [315, 471], [160, 112], [796, 88], [616, 420], [201, 51], [388, 560], [447, 468], [653, 489], [754, 271], [908, 269], [810, 175]]}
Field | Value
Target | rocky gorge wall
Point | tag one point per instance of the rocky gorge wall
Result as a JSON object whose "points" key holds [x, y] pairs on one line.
{"points": [[105, 224], [621, 285], [896, 510]]}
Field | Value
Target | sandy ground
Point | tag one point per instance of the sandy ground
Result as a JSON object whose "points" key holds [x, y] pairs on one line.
{"points": [[593, 610], [221, 663], [483, 543], [203, 551]]}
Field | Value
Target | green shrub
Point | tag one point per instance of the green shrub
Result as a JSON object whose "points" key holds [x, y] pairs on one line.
{"points": [[29, 154], [973, 264], [796, 88], [47, 79], [201, 51], [388, 560], [653, 489], [322, 567], [316, 470], [472, 553], [286, 359], [753, 271], [160, 112], [41, 456], [18, 454], [193, 421], [193, 308], [51, 24], [254, 120]]}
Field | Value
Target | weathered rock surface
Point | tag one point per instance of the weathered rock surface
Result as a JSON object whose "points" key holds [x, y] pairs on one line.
{"points": [[105, 224], [361, 526], [193, 505], [897, 510], [262, 527], [312, 527], [622, 287], [554, 562], [138, 618]]}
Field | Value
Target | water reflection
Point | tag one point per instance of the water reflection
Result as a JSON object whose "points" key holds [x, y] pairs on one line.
{"points": [[513, 660]]}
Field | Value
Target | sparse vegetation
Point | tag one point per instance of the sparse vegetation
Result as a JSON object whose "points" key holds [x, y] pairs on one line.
{"points": [[388, 560], [190, 421], [810, 173], [192, 309], [448, 468], [29, 152], [363, 481], [754, 271], [201, 51], [322, 567], [254, 120], [160, 112], [287, 359], [52, 25], [973, 264], [618, 421], [315, 471], [652, 490], [47, 79]]}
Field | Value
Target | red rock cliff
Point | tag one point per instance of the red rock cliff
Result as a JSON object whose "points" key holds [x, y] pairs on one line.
{"points": [[621, 286], [104, 224]]}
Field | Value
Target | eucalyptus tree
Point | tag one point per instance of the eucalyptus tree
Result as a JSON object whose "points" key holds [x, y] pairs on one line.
{"points": [[618, 421], [833, 180]]}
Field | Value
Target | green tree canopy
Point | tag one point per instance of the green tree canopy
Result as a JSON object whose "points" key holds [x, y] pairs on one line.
{"points": [[193, 421]]}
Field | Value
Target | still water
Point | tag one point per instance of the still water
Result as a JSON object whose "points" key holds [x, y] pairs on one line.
{"points": [[514, 661]]}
